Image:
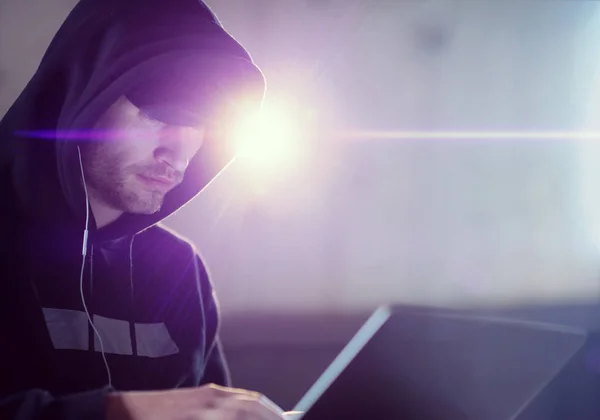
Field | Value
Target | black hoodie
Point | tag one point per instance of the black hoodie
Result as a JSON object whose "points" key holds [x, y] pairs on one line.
{"points": [[145, 288]]}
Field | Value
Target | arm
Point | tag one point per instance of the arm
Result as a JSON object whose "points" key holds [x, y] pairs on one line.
{"points": [[37, 404], [209, 364], [216, 370]]}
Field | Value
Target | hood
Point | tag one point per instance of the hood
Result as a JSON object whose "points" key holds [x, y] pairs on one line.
{"points": [[106, 49]]}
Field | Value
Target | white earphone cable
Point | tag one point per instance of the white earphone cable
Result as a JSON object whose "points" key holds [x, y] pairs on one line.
{"points": [[84, 254]]}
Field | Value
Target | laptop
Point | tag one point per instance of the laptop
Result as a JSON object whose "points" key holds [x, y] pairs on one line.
{"points": [[423, 363]]}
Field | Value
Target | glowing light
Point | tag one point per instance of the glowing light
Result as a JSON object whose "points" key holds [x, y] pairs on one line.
{"points": [[269, 140]]}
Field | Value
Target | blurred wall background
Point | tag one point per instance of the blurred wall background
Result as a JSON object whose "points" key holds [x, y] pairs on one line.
{"points": [[363, 221]]}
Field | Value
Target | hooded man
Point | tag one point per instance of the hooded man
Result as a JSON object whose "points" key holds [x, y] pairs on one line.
{"points": [[114, 132]]}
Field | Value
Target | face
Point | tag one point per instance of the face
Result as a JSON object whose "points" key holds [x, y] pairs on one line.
{"points": [[139, 160]]}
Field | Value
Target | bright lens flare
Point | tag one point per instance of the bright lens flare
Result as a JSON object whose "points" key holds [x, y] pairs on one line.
{"points": [[268, 140]]}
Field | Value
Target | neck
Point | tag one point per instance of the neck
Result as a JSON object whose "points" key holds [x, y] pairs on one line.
{"points": [[104, 214]]}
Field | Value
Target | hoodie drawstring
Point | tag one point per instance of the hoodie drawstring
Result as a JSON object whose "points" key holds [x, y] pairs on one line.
{"points": [[132, 302], [202, 309], [91, 333], [91, 270]]}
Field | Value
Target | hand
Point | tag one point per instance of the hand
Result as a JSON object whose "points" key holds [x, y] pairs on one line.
{"points": [[209, 402]]}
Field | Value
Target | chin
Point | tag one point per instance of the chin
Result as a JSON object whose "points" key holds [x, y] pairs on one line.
{"points": [[144, 211], [142, 202], [144, 207], [147, 209]]}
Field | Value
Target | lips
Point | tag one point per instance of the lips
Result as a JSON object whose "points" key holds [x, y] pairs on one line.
{"points": [[157, 183]]}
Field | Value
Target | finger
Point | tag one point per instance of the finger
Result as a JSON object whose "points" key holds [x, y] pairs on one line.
{"points": [[292, 415], [268, 403], [233, 391], [231, 413], [264, 401], [225, 394], [250, 395], [255, 407]]}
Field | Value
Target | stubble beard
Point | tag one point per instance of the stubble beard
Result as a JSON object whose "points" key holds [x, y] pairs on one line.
{"points": [[118, 186]]}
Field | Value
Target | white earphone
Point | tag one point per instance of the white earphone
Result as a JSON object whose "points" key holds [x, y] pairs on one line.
{"points": [[84, 254]]}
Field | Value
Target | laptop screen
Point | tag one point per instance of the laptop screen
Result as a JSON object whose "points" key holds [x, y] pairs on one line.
{"points": [[427, 363]]}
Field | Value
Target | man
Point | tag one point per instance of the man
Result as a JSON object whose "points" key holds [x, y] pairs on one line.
{"points": [[113, 133]]}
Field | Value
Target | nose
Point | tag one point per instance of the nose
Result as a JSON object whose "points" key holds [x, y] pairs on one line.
{"points": [[178, 145]]}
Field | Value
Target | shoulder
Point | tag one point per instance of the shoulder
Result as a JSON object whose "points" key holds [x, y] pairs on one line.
{"points": [[163, 236], [164, 243], [161, 246]]}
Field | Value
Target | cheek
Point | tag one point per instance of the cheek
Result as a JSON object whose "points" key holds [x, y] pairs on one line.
{"points": [[138, 150], [193, 141], [109, 158], [132, 152], [195, 151]]}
